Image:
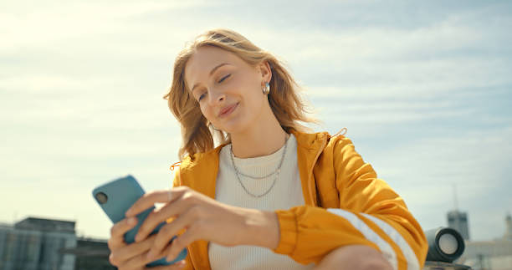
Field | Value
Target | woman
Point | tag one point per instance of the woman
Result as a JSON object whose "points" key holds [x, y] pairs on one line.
{"points": [[270, 196]]}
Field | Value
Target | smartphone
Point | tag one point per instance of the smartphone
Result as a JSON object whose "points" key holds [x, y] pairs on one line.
{"points": [[116, 197]]}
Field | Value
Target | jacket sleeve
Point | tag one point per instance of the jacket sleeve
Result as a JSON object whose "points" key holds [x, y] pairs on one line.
{"points": [[176, 183], [369, 213]]}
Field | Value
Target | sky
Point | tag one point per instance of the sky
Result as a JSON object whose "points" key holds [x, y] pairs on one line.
{"points": [[423, 88]]}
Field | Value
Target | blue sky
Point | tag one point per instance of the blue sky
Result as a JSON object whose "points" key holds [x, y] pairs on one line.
{"points": [[423, 87]]}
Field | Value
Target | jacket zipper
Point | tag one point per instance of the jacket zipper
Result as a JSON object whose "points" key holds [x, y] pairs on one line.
{"points": [[310, 185]]}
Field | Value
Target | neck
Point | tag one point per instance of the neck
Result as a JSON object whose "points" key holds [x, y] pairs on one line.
{"points": [[261, 139]]}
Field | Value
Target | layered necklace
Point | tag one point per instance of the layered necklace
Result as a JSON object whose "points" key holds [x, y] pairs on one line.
{"points": [[275, 172]]}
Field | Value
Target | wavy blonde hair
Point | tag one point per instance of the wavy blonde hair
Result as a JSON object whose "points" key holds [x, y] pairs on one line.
{"points": [[284, 99]]}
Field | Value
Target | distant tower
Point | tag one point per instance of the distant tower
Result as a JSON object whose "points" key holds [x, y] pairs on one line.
{"points": [[458, 220], [508, 232]]}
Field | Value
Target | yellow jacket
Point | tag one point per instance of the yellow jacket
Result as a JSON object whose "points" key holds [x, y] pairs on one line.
{"points": [[346, 204]]}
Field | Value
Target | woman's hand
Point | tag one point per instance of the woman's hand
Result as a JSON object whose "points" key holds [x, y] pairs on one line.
{"points": [[132, 256], [203, 219]]}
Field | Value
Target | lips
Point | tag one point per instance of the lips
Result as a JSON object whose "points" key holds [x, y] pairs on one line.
{"points": [[227, 110]]}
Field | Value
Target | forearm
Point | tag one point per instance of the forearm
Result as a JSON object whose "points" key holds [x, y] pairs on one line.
{"points": [[262, 228], [354, 257]]}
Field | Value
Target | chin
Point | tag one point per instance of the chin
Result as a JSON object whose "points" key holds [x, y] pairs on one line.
{"points": [[234, 127], [241, 122]]}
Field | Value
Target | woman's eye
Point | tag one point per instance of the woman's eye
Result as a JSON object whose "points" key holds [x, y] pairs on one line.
{"points": [[225, 77], [201, 97]]}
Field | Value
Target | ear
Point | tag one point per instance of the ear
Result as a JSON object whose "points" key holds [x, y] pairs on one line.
{"points": [[266, 72]]}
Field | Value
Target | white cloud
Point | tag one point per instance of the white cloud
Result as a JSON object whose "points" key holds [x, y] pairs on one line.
{"points": [[42, 25]]}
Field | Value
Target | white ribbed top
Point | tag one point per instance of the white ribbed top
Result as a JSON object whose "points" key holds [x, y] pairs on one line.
{"points": [[286, 193]]}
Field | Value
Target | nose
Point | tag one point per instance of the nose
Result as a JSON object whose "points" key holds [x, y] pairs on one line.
{"points": [[216, 97]]}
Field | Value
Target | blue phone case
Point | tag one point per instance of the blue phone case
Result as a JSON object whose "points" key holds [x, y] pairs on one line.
{"points": [[120, 195]]}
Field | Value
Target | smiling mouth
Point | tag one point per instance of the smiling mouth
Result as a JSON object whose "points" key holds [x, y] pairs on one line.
{"points": [[228, 111]]}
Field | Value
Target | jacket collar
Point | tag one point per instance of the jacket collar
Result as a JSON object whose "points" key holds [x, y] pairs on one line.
{"points": [[202, 176]]}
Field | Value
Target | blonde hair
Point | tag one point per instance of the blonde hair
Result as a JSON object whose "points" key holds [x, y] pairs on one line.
{"points": [[284, 99]]}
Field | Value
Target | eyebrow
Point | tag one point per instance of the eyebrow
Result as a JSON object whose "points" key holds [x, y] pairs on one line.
{"points": [[211, 72]]}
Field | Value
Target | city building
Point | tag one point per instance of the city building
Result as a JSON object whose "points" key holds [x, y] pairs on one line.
{"points": [[508, 232], [34, 244], [48, 244], [459, 221], [91, 254], [494, 254]]}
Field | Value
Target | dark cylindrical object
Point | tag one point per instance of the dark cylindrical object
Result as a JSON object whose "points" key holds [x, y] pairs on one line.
{"points": [[444, 245]]}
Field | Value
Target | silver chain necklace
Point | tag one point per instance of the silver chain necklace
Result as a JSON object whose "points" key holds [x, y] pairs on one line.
{"points": [[276, 172]]}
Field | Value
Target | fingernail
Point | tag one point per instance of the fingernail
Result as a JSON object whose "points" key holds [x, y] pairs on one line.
{"points": [[151, 254], [180, 264], [138, 238], [170, 258], [131, 221]]}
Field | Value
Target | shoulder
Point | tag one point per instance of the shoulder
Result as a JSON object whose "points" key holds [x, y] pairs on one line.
{"points": [[201, 159], [339, 141], [196, 169], [321, 139]]}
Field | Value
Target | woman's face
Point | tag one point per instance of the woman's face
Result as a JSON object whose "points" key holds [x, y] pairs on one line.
{"points": [[228, 90]]}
